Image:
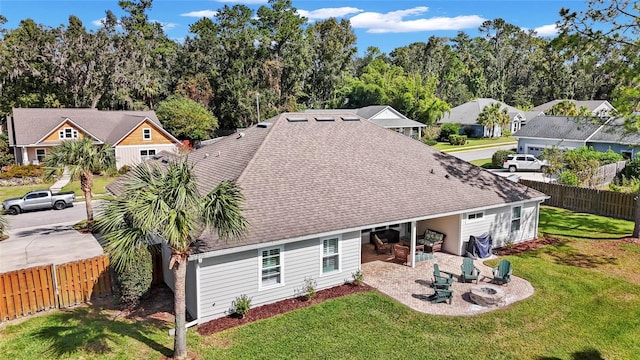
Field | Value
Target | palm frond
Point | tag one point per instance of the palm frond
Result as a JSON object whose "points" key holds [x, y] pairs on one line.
{"points": [[222, 210]]}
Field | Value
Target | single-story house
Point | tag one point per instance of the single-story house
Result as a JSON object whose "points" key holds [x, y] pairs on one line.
{"points": [[315, 186], [467, 116], [135, 135], [599, 108], [573, 132], [382, 115]]}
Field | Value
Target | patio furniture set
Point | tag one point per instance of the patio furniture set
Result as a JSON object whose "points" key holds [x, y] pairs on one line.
{"points": [[389, 241], [483, 294]]}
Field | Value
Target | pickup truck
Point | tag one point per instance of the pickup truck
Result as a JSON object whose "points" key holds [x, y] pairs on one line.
{"points": [[519, 162], [38, 199]]}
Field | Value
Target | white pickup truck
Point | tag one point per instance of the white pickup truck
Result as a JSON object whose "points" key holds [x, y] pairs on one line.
{"points": [[38, 199], [523, 162]]}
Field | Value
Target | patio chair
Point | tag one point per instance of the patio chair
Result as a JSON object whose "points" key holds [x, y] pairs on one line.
{"points": [[381, 248], [441, 295], [502, 273], [439, 281], [469, 271], [400, 253]]}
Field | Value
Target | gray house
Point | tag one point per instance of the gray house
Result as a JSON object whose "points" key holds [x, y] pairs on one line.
{"points": [[573, 132], [467, 116], [382, 115], [599, 108], [316, 185]]}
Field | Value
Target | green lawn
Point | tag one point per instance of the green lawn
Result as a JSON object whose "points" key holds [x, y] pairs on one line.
{"points": [[7, 192], [564, 223], [483, 163], [476, 143], [99, 183], [580, 310]]}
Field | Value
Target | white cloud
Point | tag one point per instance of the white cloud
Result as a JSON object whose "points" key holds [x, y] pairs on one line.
{"points": [[547, 30], [99, 22], [393, 22], [166, 25], [201, 13], [247, 2], [326, 13]]}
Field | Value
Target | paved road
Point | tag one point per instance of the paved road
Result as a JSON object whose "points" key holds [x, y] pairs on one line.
{"points": [[46, 237], [486, 153]]}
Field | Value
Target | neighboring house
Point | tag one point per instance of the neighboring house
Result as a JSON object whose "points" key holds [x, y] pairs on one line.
{"points": [[599, 108], [135, 135], [467, 116], [382, 115], [314, 189], [573, 132]]}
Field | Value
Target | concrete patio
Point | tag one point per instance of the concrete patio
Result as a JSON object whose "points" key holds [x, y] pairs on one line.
{"points": [[411, 286]]}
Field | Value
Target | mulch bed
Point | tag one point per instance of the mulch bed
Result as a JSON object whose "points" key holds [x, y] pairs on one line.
{"points": [[525, 246], [280, 307]]}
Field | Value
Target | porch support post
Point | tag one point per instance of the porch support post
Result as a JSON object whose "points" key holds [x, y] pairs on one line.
{"points": [[413, 243], [25, 156]]}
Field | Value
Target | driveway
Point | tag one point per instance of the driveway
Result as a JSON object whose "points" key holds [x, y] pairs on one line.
{"points": [[46, 237], [527, 175]]}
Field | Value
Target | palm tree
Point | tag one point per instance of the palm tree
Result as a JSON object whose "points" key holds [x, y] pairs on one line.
{"points": [[3, 226], [492, 116], [82, 158], [162, 201]]}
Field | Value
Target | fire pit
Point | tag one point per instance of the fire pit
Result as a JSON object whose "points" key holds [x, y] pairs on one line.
{"points": [[487, 295]]}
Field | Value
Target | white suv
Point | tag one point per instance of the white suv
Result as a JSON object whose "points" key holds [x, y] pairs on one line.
{"points": [[516, 162]]}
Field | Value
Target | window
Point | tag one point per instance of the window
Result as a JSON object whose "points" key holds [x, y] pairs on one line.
{"points": [[147, 154], [146, 134], [516, 215], [40, 154], [271, 267], [475, 216], [330, 255], [68, 133]]}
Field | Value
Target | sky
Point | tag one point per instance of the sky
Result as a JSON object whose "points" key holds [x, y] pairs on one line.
{"points": [[386, 24]]}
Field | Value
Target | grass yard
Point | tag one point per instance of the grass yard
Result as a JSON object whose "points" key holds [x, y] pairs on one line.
{"points": [[586, 306], [99, 183], [475, 143], [7, 192], [483, 163]]}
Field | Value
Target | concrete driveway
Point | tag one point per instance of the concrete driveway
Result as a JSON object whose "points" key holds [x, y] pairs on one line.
{"points": [[527, 175], [46, 237]]}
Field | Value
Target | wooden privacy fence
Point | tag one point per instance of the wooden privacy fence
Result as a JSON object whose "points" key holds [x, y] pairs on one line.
{"points": [[592, 201], [27, 291]]}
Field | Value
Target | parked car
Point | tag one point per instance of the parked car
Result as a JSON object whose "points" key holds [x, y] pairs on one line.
{"points": [[38, 199], [523, 162]]}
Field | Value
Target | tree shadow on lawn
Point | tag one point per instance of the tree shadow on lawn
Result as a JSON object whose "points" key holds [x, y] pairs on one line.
{"points": [[564, 254], [588, 354], [572, 222], [91, 329]]}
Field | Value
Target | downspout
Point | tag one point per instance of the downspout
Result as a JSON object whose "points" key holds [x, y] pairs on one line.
{"points": [[413, 243]]}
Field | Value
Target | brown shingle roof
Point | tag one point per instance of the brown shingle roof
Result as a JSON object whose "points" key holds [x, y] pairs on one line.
{"points": [[305, 178], [32, 124]]}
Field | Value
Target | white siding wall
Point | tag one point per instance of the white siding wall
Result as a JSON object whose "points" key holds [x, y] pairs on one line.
{"points": [[167, 274], [448, 225], [386, 114], [497, 222], [130, 155], [223, 278]]}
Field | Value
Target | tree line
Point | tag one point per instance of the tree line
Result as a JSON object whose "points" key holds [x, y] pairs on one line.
{"points": [[275, 60]]}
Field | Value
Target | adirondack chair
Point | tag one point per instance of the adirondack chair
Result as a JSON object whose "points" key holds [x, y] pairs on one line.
{"points": [[502, 273], [469, 271], [441, 295], [439, 281]]}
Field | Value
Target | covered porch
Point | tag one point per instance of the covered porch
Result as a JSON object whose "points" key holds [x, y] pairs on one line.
{"points": [[412, 286]]}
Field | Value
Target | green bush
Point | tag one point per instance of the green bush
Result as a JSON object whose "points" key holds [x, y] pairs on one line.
{"points": [[124, 169], [430, 142], [134, 279], [309, 288], [499, 156], [568, 178], [506, 132], [358, 277], [447, 130], [457, 139], [632, 169], [430, 133], [22, 171], [241, 305]]}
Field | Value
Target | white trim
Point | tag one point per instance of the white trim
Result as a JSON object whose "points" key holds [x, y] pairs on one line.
{"points": [[74, 124], [148, 156], [595, 132], [62, 133], [512, 219], [144, 138], [152, 124], [274, 243], [36, 153], [198, 301], [322, 240], [476, 218], [281, 265]]}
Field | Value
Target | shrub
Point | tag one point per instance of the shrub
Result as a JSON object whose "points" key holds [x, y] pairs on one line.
{"points": [[430, 142], [506, 132], [241, 305], [22, 171], [358, 277], [135, 277], [632, 169], [499, 156], [568, 178], [447, 130], [430, 133], [309, 288], [457, 139], [124, 169]]}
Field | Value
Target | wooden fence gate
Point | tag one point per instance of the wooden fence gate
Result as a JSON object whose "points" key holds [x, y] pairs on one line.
{"points": [[28, 291]]}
